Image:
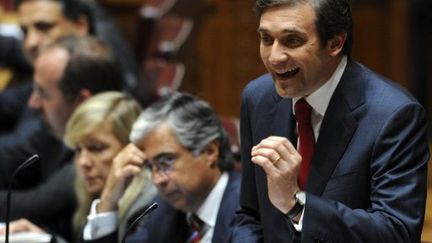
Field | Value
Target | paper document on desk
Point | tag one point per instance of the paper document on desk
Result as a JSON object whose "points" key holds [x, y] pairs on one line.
{"points": [[26, 237]]}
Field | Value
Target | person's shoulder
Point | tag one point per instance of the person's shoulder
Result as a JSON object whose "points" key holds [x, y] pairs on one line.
{"points": [[233, 188], [230, 201], [264, 81], [260, 88], [379, 88], [378, 97], [234, 176]]}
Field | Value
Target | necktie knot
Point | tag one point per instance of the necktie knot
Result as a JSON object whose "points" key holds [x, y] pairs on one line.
{"points": [[198, 228], [196, 223], [302, 112]]}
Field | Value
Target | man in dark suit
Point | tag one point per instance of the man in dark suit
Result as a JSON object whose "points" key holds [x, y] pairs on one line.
{"points": [[183, 142], [359, 174], [22, 133], [42, 23], [67, 72]]}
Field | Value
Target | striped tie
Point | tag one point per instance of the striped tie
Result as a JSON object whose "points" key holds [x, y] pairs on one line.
{"points": [[197, 229]]}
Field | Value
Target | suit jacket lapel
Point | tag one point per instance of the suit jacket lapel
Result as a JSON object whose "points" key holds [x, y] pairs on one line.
{"points": [[229, 204], [278, 121], [338, 126]]}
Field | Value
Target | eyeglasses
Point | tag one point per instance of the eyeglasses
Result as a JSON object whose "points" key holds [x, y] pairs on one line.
{"points": [[162, 163], [40, 92]]}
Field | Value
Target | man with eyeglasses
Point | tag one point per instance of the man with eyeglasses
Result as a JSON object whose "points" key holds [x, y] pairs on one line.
{"points": [[181, 139], [67, 72], [22, 132]]}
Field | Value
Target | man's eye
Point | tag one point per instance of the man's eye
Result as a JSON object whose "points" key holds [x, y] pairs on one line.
{"points": [[266, 40], [293, 41], [24, 30], [44, 26], [166, 159]]}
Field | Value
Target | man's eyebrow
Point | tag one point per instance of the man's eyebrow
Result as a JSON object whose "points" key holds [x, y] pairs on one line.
{"points": [[44, 24], [262, 30], [287, 30]]}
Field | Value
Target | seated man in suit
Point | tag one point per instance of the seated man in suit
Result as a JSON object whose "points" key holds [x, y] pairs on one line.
{"points": [[67, 72], [43, 22], [183, 142]]}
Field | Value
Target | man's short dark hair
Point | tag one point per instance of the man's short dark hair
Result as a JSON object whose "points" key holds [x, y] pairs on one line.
{"points": [[333, 17], [91, 65]]}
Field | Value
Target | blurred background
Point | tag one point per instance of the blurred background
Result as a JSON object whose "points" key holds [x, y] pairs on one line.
{"points": [[210, 47], [220, 53]]}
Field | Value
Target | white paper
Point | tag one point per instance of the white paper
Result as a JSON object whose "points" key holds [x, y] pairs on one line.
{"points": [[26, 237]]}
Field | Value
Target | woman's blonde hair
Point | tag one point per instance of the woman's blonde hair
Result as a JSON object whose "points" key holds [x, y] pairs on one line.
{"points": [[117, 108], [120, 111]]}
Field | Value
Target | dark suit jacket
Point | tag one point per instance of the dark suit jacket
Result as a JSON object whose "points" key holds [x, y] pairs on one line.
{"points": [[44, 192], [168, 225], [12, 55], [367, 179]]}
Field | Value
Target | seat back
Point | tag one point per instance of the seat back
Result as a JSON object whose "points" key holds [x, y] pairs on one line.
{"points": [[231, 125]]}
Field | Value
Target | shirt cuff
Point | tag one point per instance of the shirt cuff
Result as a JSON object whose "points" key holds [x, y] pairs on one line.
{"points": [[298, 226], [99, 224]]}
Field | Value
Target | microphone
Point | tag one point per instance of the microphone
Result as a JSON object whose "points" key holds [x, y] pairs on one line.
{"points": [[26, 163], [140, 216]]}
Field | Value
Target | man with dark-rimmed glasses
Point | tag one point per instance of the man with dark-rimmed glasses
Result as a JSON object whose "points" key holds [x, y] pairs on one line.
{"points": [[183, 142]]}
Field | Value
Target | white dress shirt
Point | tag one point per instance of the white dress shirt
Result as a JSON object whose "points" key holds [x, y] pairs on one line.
{"points": [[208, 211], [101, 224], [319, 101]]}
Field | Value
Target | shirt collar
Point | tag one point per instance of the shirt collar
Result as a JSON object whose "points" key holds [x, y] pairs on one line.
{"points": [[208, 211], [320, 99]]}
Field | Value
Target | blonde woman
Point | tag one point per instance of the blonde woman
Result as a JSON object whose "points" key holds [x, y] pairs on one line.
{"points": [[98, 132]]}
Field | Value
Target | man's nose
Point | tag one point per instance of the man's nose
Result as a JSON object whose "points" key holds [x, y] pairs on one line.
{"points": [[34, 101], [159, 178], [278, 54], [32, 41]]}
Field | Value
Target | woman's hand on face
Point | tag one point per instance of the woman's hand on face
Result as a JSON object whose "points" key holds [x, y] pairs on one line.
{"points": [[128, 163]]}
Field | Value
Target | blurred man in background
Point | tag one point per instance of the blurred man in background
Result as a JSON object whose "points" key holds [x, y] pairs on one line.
{"points": [[66, 73]]}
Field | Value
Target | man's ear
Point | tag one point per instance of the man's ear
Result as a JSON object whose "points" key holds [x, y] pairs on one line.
{"points": [[83, 95], [83, 25], [336, 44], [212, 153]]}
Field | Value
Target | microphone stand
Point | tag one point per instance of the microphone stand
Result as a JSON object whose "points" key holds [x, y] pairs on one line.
{"points": [[140, 216], [26, 163]]}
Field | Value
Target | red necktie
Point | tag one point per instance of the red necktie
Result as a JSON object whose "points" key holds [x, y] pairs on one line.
{"points": [[197, 229], [306, 138], [195, 236]]}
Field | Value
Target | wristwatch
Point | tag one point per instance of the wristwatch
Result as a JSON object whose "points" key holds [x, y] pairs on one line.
{"points": [[300, 202]]}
